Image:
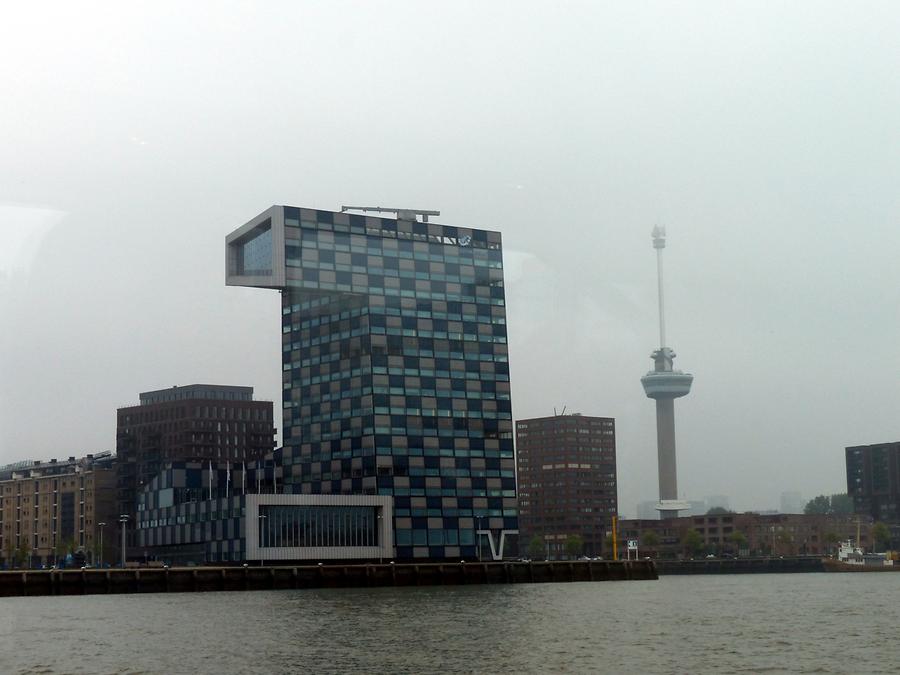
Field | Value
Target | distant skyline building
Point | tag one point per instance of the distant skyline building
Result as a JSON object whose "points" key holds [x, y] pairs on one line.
{"points": [[717, 502], [567, 481], [664, 384], [395, 368], [192, 422], [646, 510], [696, 507], [792, 502], [873, 480]]}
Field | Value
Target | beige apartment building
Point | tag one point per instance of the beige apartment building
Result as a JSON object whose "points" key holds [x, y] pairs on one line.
{"points": [[49, 510]]}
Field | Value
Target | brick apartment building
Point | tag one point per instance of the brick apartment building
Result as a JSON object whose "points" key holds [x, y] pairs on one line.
{"points": [[873, 480], [775, 534], [567, 481], [194, 422], [51, 509]]}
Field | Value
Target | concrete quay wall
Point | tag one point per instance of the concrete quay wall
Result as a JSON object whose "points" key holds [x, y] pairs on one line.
{"points": [[741, 565], [195, 579]]}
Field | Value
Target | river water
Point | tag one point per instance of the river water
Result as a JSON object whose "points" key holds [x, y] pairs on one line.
{"points": [[766, 623]]}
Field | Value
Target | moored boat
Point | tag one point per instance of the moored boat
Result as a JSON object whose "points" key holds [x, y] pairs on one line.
{"points": [[851, 558]]}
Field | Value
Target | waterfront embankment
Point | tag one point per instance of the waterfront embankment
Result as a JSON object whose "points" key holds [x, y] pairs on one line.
{"points": [[195, 579], [787, 564]]}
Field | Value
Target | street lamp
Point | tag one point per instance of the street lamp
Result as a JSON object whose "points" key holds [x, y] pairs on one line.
{"points": [[101, 526], [379, 539], [262, 517], [123, 519], [478, 534]]}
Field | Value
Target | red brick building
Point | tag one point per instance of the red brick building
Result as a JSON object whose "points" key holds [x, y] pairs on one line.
{"points": [[567, 481], [744, 534], [873, 480], [193, 422]]}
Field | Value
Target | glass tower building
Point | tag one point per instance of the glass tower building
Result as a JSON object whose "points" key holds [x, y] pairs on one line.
{"points": [[395, 369]]}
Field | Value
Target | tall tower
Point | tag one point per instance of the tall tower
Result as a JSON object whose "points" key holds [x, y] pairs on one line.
{"points": [[395, 368], [664, 384]]}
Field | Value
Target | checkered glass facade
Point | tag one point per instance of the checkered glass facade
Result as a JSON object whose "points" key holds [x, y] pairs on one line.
{"points": [[396, 374]]}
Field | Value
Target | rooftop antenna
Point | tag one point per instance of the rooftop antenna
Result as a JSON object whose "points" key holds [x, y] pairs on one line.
{"points": [[402, 214]]}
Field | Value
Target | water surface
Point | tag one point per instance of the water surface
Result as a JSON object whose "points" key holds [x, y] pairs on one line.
{"points": [[766, 623]]}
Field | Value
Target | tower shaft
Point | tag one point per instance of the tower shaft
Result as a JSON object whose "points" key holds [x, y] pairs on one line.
{"points": [[665, 447]]}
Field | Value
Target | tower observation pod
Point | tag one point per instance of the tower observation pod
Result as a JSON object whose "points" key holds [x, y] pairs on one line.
{"points": [[664, 384]]}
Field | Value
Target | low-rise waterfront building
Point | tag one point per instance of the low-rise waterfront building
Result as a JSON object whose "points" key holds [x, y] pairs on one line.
{"points": [[50, 510], [744, 534], [193, 513]]}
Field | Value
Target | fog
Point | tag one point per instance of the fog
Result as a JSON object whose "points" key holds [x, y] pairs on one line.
{"points": [[763, 136]]}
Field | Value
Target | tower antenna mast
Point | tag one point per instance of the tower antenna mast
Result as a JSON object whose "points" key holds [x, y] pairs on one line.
{"points": [[659, 243]]}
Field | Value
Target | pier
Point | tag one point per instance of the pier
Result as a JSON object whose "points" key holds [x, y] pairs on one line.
{"points": [[198, 579]]}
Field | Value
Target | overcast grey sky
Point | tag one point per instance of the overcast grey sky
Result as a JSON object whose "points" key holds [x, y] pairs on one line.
{"points": [[763, 135]]}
